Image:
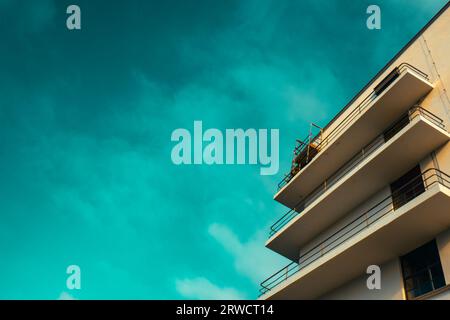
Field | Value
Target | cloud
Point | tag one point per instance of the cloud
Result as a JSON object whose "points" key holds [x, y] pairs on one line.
{"points": [[66, 296], [203, 289], [251, 258], [29, 16]]}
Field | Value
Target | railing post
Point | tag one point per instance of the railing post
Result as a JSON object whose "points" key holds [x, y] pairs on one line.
{"points": [[409, 115]]}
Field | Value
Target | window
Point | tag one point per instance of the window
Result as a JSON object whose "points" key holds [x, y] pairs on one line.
{"points": [[407, 187], [386, 82], [395, 128], [422, 270]]}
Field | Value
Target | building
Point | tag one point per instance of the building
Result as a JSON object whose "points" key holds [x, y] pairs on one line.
{"points": [[373, 187]]}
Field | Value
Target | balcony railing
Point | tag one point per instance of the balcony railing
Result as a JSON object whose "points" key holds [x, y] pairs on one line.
{"points": [[305, 150], [374, 145], [403, 195]]}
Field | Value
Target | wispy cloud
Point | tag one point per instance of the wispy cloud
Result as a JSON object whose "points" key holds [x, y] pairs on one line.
{"points": [[203, 289], [32, 16], [251, 258], [66, 296]]}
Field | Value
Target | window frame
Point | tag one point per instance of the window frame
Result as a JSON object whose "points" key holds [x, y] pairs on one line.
{"points": [[427, 269]]}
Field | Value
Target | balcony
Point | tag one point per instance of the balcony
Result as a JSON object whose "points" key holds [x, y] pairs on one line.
{"points": [[409, 139], [389, 229], [317, 158]]}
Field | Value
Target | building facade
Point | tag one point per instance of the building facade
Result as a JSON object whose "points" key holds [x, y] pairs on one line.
{"points": [[372, 188]]}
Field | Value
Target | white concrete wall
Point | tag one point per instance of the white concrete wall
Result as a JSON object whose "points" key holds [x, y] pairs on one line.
{"points": [[436, 39], [391, 286], [443, 243]]}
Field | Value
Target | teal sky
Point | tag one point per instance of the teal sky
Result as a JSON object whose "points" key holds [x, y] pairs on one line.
{"points": [[86, 117]]}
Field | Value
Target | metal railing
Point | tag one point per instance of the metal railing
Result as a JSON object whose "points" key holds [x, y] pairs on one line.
{"points": [[403, 195], [319, 143], [374, 145]]}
